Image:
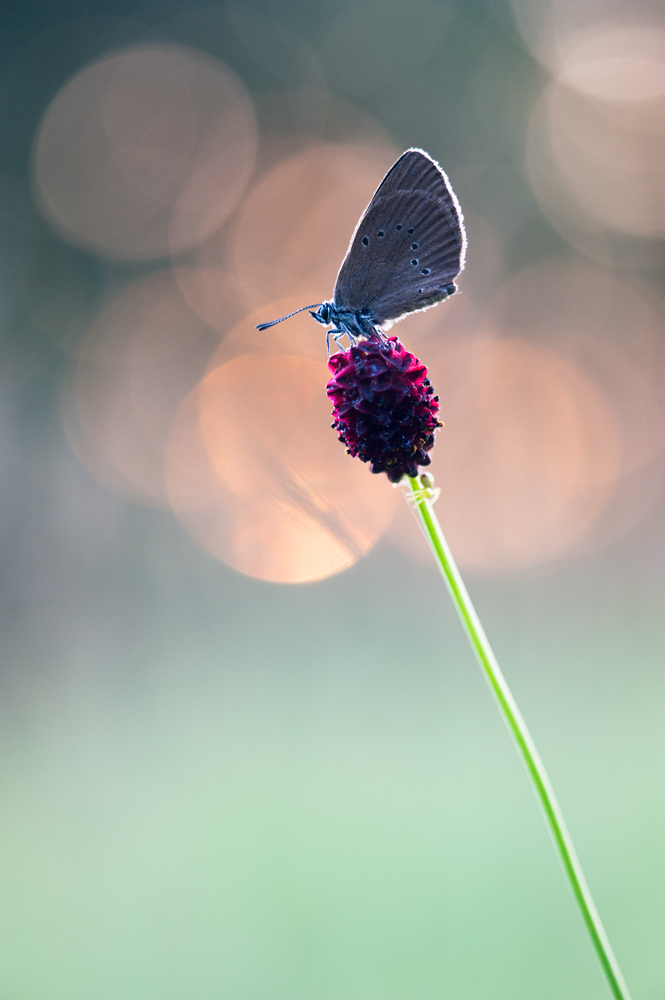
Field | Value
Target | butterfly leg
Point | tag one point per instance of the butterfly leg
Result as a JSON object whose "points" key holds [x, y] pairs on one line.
{"points": [[336, 334], [340, 333]]}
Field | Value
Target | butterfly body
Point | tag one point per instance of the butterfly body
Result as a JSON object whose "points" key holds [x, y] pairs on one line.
{"points": [[354, 324], [404, 255]]}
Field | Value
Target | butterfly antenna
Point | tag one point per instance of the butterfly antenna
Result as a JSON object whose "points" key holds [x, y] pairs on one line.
{"points": [[264, 326]]}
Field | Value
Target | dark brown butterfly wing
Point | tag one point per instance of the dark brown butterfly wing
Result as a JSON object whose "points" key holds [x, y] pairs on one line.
{"points": [[408, 246]]}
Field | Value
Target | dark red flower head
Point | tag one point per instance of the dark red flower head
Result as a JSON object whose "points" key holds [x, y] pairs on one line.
{"points": [[384, 406]]}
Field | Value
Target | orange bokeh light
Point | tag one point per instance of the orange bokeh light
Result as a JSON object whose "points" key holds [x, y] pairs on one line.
{"points": [[527, 457], [145, 152], [611, 329], [218, 298], [140, 358], [295, 225], [258, 477], [596, 155]]}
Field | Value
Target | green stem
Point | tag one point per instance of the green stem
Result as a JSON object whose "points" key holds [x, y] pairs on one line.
{"points": [[421, 496]]}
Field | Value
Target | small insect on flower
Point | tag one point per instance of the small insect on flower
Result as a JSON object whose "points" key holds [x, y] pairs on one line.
{"points": [[407, 249]]}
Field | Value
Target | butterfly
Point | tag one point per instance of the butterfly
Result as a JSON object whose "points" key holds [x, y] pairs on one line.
{"points": [[404, 255]]}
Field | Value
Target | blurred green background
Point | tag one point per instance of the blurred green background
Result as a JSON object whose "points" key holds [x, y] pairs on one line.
{"points": [[220, 782]]}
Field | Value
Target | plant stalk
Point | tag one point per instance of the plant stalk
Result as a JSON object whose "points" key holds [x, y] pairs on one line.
{"points": [[422, 497]]}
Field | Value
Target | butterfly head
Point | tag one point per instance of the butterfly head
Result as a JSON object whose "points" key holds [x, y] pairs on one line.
{"points": [[324, 314]]}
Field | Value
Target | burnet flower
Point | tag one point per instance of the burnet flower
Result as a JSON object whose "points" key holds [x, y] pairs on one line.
{"points": [[384, 407]]}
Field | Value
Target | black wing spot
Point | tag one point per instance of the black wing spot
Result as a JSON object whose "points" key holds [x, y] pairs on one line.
{"points": [[380, 233], [425, 270], [414, 246], [398, 226], [415, 261], [420, 291], [410, 232], [365, 241]]}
